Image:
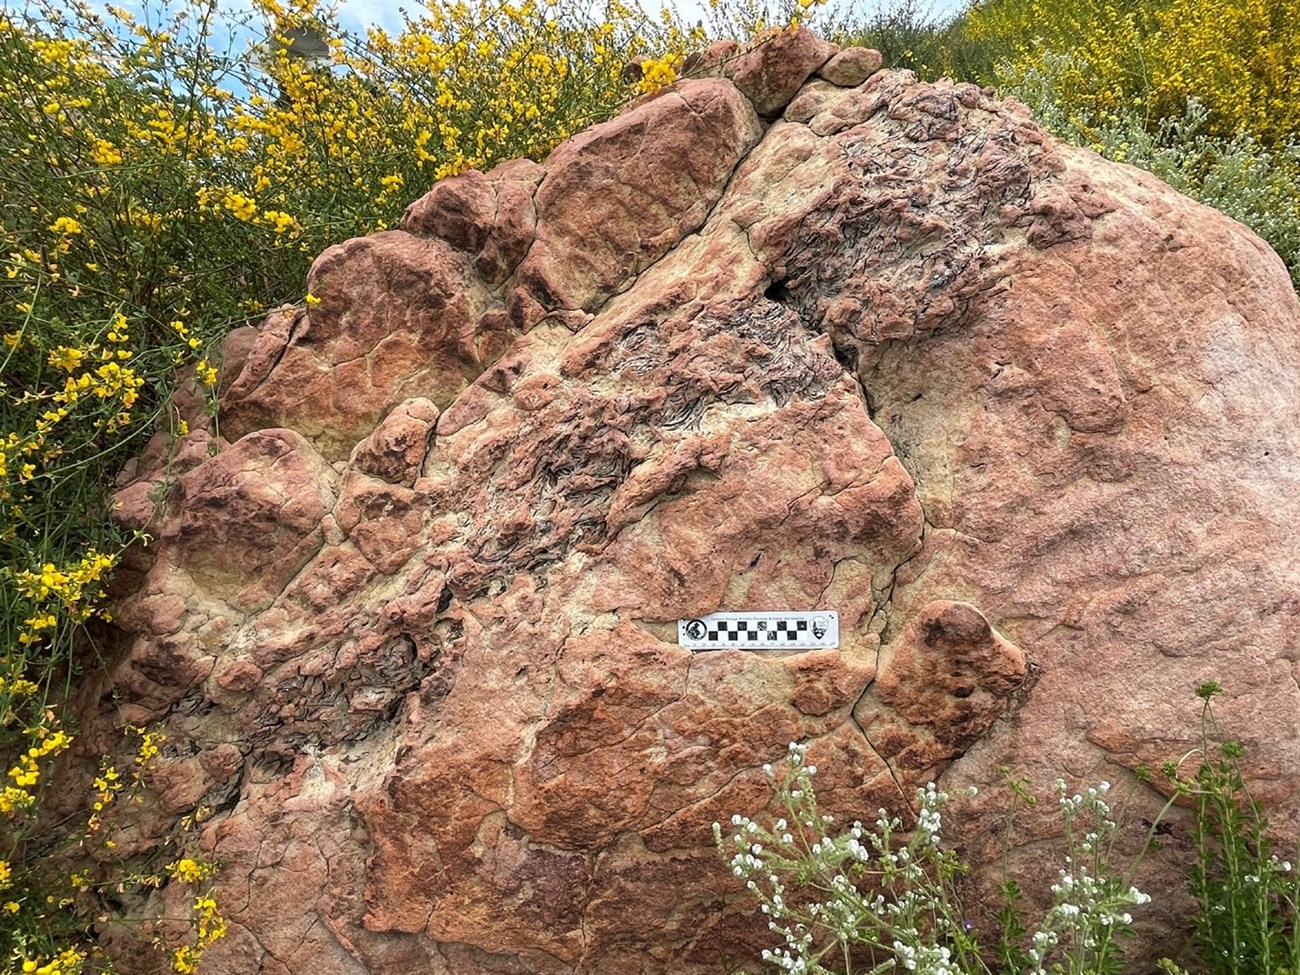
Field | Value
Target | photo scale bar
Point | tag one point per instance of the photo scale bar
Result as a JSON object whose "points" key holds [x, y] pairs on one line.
{"points": [[787, 630]]}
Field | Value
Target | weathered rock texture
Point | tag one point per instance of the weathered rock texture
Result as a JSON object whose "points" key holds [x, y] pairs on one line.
{"points": [[1025, 418]]}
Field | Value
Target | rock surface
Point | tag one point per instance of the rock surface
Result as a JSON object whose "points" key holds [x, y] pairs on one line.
{"points": [[1025, 418]]}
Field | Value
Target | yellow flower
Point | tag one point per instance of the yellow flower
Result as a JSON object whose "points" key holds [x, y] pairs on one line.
{"points": [[241, 206], [185, 960], [190, 871], [149, 749], [66, 225], [65, 358], [280, 220], [656, 74], [117, 328], [105, 153]]}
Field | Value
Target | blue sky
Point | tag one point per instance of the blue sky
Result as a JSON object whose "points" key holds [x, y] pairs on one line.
{"points": [[358, 14]]}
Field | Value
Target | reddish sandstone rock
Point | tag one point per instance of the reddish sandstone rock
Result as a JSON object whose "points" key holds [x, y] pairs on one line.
{"points": [[949, 672], [772, 67], [395, 451], [251, 516], [768, 70], [851, 67], [396, 317], [1024, 418], [617, 197], [491, 217]]}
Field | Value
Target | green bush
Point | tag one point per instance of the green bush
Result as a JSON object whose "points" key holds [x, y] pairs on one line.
{"points": [[888, 898], [911, 34], [1250, 182]]}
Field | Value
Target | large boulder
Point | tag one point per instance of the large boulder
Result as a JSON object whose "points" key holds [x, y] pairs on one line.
{"points": [[1025, 418]]}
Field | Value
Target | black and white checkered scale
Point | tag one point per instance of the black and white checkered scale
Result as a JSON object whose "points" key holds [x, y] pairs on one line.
{"points": [[793, 629]]}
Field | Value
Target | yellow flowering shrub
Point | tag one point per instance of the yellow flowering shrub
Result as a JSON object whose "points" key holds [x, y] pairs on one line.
{"points": [[338, 144], [1240, 59], [47, 911], [1205, 95]]}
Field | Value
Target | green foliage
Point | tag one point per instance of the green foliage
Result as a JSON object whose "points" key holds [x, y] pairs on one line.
{"points": [[911, 34], [1250, 182], [880, 898], [1247, 897]]}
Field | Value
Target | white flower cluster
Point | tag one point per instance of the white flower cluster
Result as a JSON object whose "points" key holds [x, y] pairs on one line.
{"points": [[1091, 799], [925, 959], [849, 870], [823, 894], [1089, 904]]}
